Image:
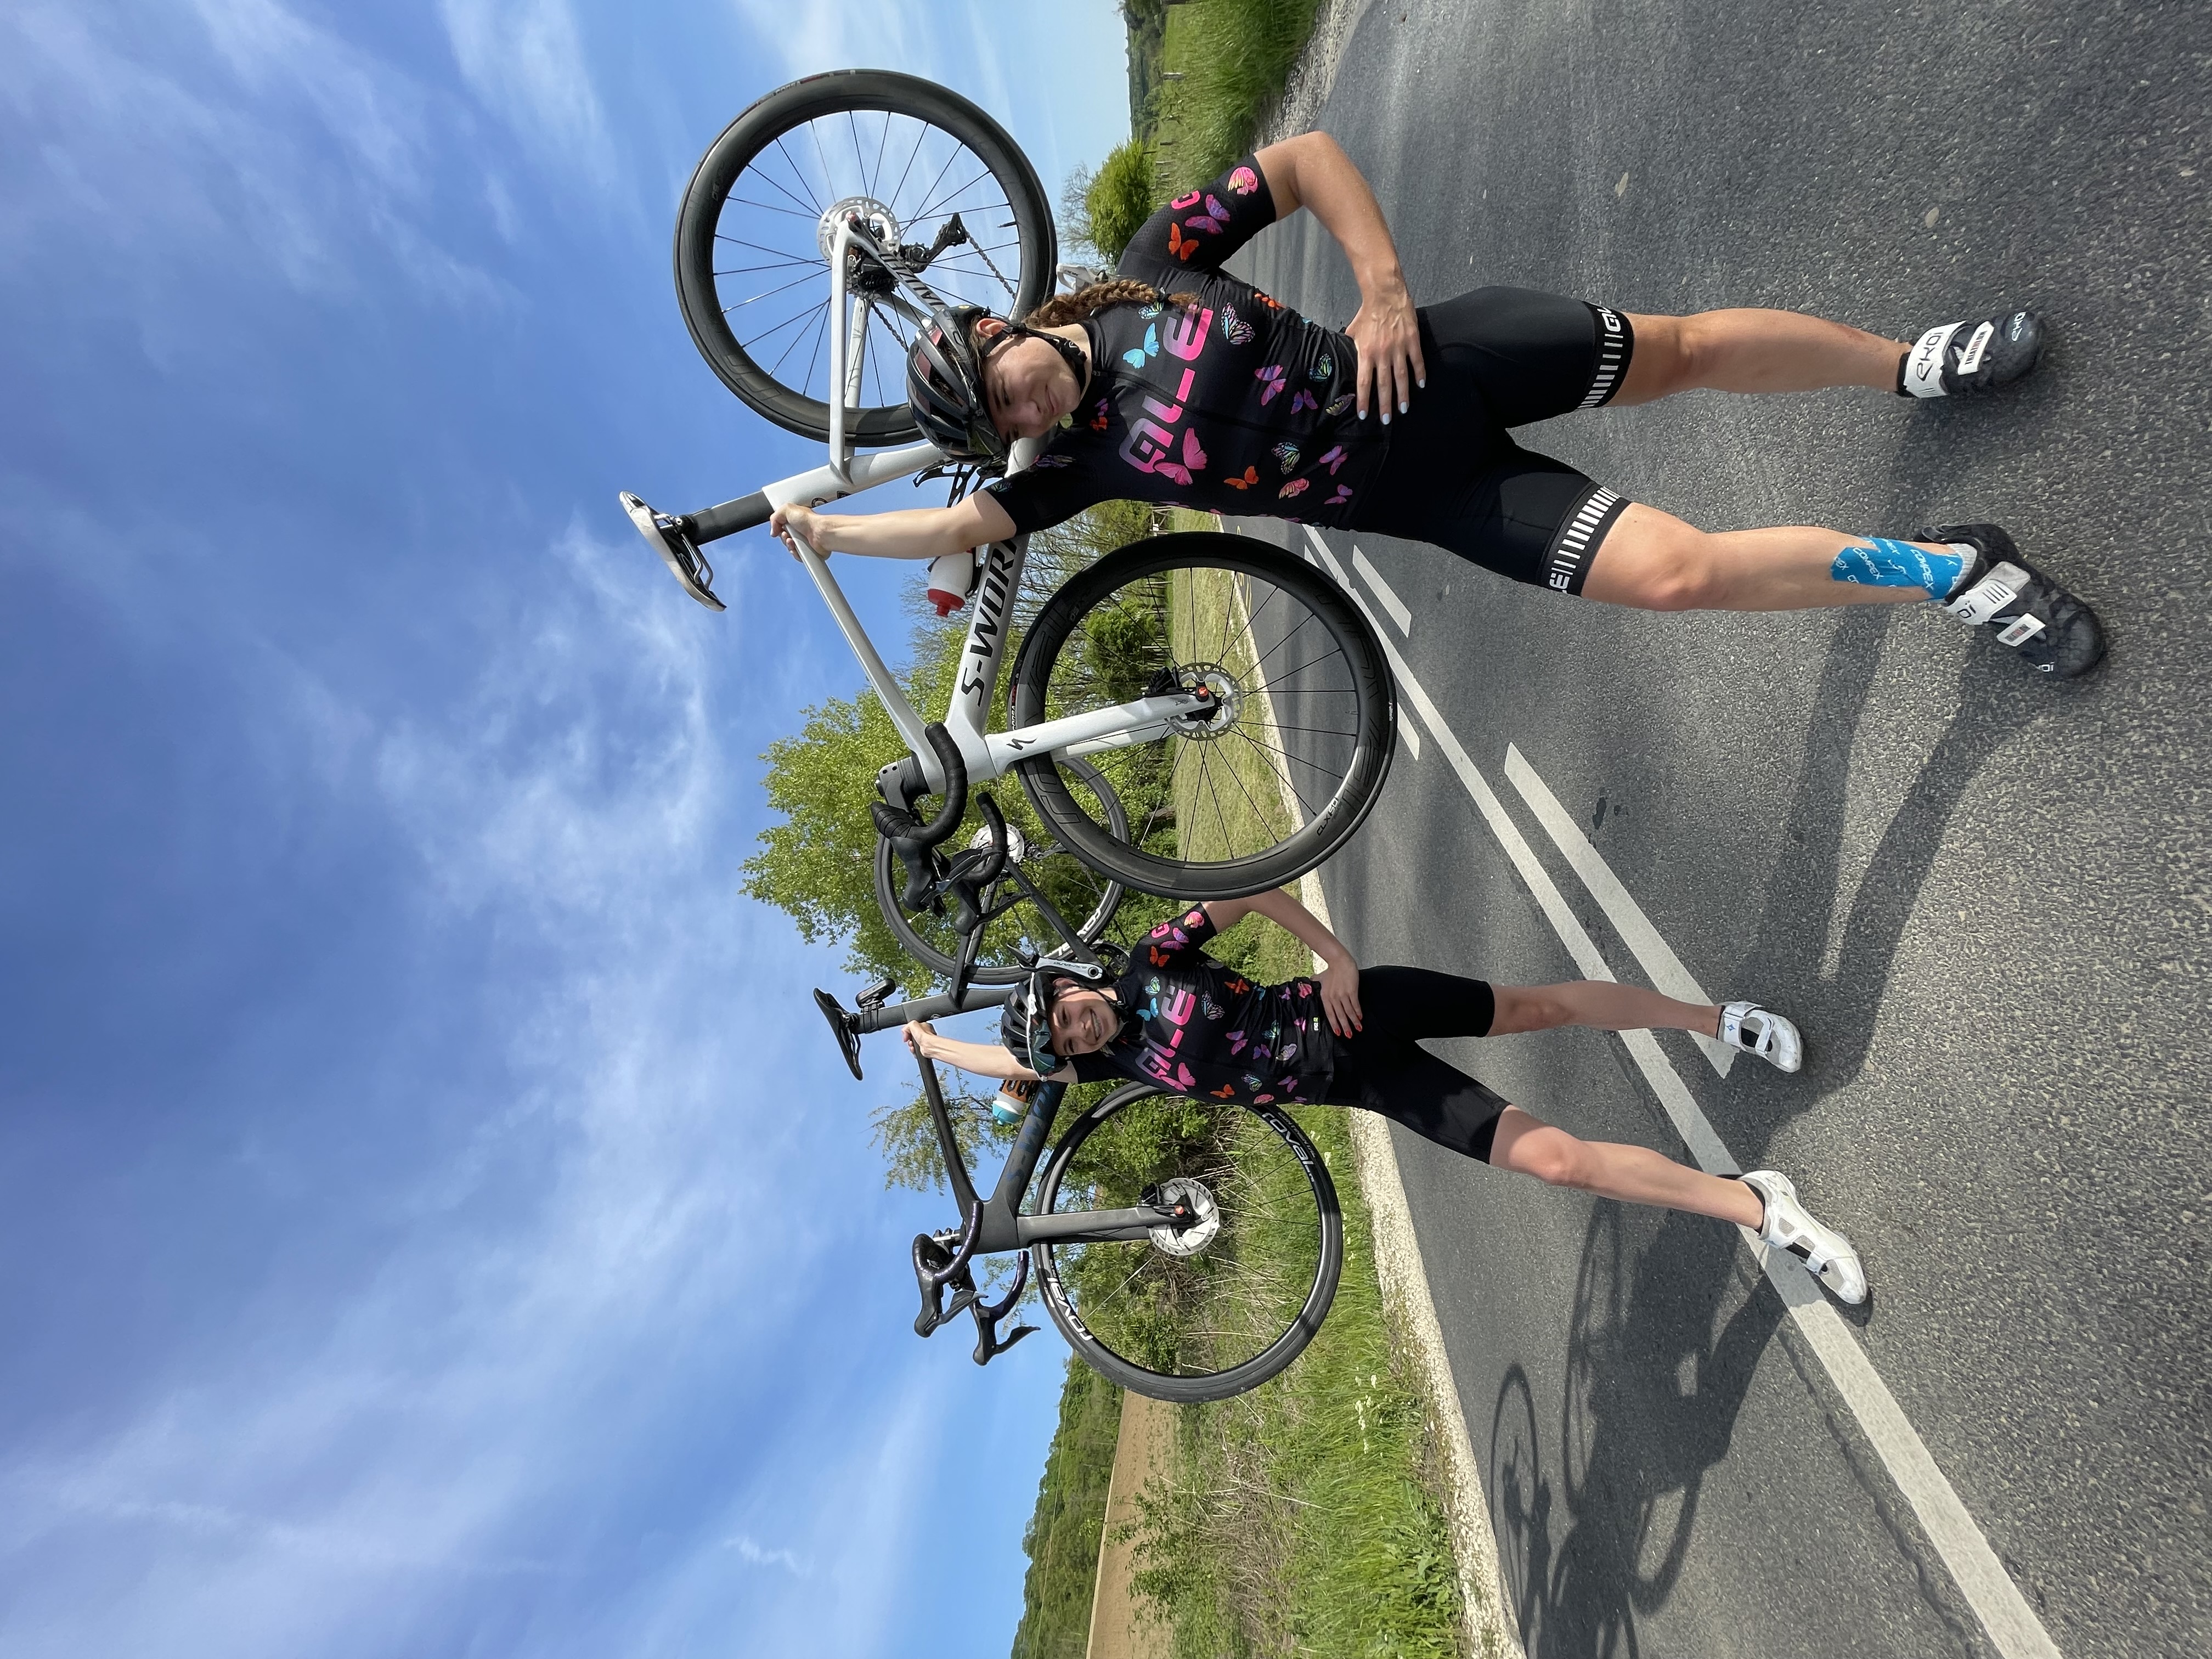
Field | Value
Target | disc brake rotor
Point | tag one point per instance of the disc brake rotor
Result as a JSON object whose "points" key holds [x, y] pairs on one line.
{"points": [[1187, 1192], [1227, 694]]}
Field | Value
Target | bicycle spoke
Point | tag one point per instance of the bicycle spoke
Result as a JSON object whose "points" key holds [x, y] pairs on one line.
{"points": [[921, 132], [768, 333], [736, 200], [799, 173], [769, 294]]}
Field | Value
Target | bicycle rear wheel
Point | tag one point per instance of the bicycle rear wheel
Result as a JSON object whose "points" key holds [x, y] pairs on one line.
{"points": [[1086, 901], [1214, 1311], [753, 238], [1278, 777]]}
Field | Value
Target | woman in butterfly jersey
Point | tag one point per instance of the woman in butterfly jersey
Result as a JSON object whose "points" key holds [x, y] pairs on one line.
{"points": [[1183, 1020], [1176, 382]]}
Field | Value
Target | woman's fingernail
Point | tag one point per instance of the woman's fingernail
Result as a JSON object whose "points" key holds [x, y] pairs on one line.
{"points": [[1401, 406], [1386, 418], [1424, 384]]}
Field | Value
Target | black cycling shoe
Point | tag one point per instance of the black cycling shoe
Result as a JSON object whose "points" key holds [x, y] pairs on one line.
{"points": [[2032, 614], [1966, 357]]}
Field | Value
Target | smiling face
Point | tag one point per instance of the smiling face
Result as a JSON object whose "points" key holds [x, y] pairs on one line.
{"points": [[1083, 1020], [1028, 385]]}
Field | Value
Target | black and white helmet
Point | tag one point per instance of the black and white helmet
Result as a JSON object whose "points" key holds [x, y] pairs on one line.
{"points": [[1025, 1017], [945, 387]]}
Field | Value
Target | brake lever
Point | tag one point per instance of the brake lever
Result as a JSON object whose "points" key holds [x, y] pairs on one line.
{"points": [[989, 1345], [930, 1259]]}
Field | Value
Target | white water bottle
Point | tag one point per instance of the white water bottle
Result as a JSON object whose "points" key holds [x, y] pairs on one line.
{"points": [[1012, 1103], [951, 580]]}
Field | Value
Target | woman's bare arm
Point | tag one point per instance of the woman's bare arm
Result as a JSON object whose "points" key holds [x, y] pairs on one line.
{"points": [[1312, 171], [1339, 975], [912, 533], [990, 1060]]}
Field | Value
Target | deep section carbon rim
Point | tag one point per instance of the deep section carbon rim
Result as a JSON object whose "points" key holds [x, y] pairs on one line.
{"points": [[1218, 1308], [919, 164], [1273, 782]]}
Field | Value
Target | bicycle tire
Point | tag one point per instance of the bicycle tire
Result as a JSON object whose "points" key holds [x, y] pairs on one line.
{"points": [[1351, 730], [1087, 1322], [849, 93], [891, 881]]}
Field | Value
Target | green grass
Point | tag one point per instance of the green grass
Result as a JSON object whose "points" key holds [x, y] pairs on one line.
{"points": [[1062, 1540], [1234, 56], [1303, 1518]]}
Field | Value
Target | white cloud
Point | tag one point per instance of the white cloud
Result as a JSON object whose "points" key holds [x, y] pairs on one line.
{"points": [[524, 59], [286, 152], [835, 34], [324, 1478]]}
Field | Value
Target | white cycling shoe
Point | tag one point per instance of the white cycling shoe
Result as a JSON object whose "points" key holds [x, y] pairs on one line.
{"points": [[1761, 1031], [1789, 1225]]}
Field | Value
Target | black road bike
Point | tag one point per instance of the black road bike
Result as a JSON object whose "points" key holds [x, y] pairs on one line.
{"points": [[1187, 1249]]}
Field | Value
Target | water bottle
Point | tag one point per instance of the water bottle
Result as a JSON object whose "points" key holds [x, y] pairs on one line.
{"points": [[1012, 1103], [951, 580]]}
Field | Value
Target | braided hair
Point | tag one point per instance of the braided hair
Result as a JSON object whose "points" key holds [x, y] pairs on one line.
{"points": [[1065, 309]]}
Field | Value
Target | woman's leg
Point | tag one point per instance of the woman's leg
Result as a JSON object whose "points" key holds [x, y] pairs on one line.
{"points": [[1600, 1004], [1748, 351], [1634, 1175], [1654, 562]]}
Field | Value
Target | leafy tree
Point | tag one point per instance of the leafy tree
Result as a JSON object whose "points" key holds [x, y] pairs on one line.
{"points": [[1120, 198], [818, 862]]}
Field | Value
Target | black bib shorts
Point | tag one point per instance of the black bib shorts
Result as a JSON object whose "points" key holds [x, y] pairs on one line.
{"points": [[1498, 358], [1383, 1067]]}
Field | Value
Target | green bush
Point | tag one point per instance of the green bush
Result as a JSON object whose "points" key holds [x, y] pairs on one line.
{"points": [[1121, 195], [1062, 1540], [1235, 57]]}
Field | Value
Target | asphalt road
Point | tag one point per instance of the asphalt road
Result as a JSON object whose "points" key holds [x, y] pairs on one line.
{"points": [[1985, 898]]}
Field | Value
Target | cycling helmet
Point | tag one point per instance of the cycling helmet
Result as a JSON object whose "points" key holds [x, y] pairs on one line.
{"points": [[1025, 1017], [945, 387]]}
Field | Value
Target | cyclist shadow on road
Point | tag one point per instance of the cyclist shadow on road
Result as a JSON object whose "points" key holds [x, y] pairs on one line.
{"points": [[1651, 1396], [1838, 1006]]}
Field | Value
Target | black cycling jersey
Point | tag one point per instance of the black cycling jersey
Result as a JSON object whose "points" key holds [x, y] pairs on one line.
{"points": [[1237, 404], [1231, 402], [1201, 1028], [1198, 1028]]}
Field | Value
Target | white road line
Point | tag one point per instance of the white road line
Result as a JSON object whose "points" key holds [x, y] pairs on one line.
{"points": [[1660, 963], [2011, 1623], [1384, 591]]}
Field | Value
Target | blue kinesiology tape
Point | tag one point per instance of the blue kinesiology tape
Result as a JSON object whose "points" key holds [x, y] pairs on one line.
{"points": [[1886, 563]]}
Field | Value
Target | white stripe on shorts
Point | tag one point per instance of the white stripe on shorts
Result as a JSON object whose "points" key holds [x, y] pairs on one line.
{"points": [[1611, 356]]}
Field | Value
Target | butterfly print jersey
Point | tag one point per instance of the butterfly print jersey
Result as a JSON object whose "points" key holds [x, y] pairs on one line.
{"points": [[1233, 404], [1202, 1029]]}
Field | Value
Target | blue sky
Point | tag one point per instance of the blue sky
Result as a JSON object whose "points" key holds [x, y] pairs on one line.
{"points": [[433, 1220]]}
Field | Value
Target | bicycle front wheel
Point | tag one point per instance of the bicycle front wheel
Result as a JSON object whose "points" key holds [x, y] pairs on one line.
{"points": [[1276, 777], [753, 236], [1223, 1306], [1014, 922]]}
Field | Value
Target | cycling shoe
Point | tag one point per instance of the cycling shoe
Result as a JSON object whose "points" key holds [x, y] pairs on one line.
{"points": [[1966, 357], [1789, 1225], [2045, 624], [1760, 1031]]}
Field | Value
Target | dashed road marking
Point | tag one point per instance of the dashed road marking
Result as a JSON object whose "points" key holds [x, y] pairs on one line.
{"points": [[1391, 603], [2005, 1615], [1652, 953]]}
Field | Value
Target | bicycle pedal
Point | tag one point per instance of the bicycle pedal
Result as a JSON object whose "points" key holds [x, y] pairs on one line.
{"points": [[678, 551], [841, 1026]]}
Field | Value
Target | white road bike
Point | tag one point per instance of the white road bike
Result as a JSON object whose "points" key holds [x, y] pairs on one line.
{"points": [[1195, 716]]}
